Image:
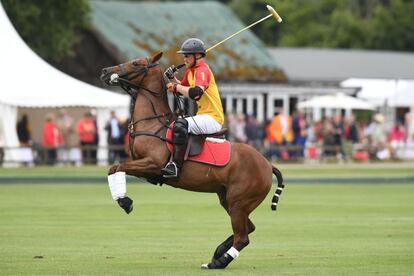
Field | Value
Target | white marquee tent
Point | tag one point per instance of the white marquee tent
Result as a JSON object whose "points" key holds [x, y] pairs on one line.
{"points": [[380, 92], [404, 94], [334, 102], [27, 81]]}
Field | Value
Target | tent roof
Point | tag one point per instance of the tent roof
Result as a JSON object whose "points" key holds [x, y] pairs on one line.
{"points": [[29, 81], [140, 29], [393, 92], [404, 94], [336, 101]]}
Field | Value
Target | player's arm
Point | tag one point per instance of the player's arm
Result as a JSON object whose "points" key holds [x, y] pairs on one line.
{"points": [[194, 93]]}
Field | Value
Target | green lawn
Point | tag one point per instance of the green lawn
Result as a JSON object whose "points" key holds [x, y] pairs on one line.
{"points": [[289, 170], [318, 230]]}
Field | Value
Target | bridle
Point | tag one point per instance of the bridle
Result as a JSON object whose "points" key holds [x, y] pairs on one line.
{"points": [[134, 90]]}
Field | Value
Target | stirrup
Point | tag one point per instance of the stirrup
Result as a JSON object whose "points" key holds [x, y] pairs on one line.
{"points": [[167, 173]]}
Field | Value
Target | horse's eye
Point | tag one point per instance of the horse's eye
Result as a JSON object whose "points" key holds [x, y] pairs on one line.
{"points": [[135, 63]]}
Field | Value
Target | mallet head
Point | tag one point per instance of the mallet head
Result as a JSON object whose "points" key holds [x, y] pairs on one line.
{"points": [[274, 13]]}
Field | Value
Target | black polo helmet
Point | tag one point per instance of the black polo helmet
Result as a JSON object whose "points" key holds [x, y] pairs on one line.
{"points": [[193, 46]]}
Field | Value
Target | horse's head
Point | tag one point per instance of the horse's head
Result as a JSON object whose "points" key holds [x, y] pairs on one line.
{"points": [[131, 73]]}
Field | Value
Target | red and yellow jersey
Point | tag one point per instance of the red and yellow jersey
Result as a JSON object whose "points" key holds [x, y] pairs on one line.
{"points": [[210, 102]]}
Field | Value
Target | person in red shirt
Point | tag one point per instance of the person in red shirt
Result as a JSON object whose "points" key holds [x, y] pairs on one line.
{"points": [[396, 138], [51, 139], [86, 130], [197, 84]]}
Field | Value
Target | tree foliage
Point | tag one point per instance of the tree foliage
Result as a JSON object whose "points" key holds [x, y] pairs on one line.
{"points": [[48, 26], [369, 24]]}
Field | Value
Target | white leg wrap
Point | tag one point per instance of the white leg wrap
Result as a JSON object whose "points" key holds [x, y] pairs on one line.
{"points": [[233, 252], [117, 185]]}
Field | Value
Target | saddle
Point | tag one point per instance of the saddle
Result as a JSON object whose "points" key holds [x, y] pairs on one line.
{"points": [[209, 149]]}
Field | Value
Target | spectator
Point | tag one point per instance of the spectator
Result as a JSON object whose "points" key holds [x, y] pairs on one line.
{"points": [[281, 130], [311, 141], [253, 132], [115, 138], [299, 133], [396, 139], [51, 139], [328, 134], [65, 125], [123, 123], [338, 128], [231, 124], [24, 131], [269, 142], [86, 131], [351, 130], [351, 135], [240, 129], [96, 139], [376, 135], [24, 134]]}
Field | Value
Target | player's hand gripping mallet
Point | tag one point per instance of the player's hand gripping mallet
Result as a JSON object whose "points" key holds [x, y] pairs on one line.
{"points": [[272, 13]]}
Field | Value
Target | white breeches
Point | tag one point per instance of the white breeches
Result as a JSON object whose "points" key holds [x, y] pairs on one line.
{"points": [[202, 124]]}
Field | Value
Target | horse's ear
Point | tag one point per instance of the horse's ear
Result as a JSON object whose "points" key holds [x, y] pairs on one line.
{"points": [[156, 57]]}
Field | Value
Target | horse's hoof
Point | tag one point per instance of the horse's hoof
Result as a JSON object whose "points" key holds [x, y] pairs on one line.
{"points": [[126, 204], [220, 263], [214, 265]]}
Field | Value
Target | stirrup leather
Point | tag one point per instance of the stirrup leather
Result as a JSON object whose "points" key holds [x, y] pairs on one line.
{"points": [[166, 168]]}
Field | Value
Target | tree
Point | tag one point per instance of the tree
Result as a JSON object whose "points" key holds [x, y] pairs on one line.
{"points": [[369, 24], [48, 26], [392, 27]]}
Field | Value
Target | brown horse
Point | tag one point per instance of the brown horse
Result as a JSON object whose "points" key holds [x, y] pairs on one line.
{"points": [[241, 185]]}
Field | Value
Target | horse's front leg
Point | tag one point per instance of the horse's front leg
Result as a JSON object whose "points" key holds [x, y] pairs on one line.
{"points": [[117, 179]]}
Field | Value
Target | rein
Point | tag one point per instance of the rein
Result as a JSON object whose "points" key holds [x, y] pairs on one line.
{"points": [[128, 86], [133, 90]]}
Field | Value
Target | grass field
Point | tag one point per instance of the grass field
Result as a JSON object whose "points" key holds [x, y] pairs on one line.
{"points": [[64, 229]]}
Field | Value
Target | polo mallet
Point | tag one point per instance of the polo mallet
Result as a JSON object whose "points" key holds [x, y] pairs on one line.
{"points": [[272, 13]]}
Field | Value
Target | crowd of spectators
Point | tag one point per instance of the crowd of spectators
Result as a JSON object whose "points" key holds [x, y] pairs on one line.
{"points": [[286, 137], [65, 141]]}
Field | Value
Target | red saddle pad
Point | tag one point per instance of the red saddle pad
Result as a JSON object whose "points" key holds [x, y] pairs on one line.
{"points": [[215, 152]]}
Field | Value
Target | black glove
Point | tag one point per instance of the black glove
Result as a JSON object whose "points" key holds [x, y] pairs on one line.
{"points": [[170, 72]]}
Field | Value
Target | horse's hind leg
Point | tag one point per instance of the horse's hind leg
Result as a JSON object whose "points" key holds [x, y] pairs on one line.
{"points": [[228, 243], [239, 222]]}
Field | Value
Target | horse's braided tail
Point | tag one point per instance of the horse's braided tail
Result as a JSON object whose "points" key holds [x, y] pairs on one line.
{"points": [[279, 189]]}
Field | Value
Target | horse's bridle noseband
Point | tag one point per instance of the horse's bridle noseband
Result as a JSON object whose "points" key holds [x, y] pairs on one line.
{"points": [[128, 86]]}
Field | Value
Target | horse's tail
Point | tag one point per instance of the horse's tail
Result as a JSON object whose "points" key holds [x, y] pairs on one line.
{"points": [[279, 189]]}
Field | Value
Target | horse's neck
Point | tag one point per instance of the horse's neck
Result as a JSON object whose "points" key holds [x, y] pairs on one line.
{"points": [[147, 106], [150, 106]]}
